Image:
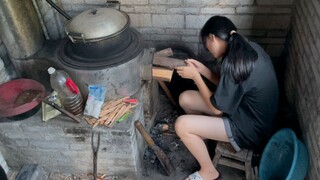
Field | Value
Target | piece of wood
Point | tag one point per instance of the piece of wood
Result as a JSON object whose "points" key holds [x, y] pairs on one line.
{"points": [[164, 52], [162, 157], [167, 92], [162, 74], [170, 63]]}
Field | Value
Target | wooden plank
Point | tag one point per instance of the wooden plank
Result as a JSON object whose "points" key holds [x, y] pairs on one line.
{"points": [[162, 74], [232, 163], [164, 52], [170, 63]]}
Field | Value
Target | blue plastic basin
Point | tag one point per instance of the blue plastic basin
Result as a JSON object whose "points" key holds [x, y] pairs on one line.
{"points": [[284, 157]]}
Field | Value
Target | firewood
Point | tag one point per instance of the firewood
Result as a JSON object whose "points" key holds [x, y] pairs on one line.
{"points": [[112, 111], [114, 103], [109, 110], [96, 124], [170, 63], [162, 74], [164, 53], [112, 115], [121, 112]]}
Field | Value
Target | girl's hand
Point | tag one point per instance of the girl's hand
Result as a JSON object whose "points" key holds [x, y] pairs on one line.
{"points": [[198, 65], [188, 72]]}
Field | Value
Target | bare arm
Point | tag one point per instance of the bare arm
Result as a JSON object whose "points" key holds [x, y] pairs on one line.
{"points": [[190, 72], [206, 72]]}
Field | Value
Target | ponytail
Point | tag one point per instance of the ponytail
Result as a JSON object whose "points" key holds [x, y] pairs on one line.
{"points": [[240, 57]]}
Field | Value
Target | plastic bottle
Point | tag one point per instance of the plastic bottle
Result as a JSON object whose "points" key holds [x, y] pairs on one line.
{"points": [[68, 92]]}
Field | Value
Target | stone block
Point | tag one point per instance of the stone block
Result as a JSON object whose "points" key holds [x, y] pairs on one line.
{"points": [[201, 2], [48, 145], [192, 39], [196, 21], [182, 10], [151, 31], [140, 20], [98, 2], [263, 10], [73, 1], [150, 9], [181, 31], [127, 8], [277, 33], [242, 21], [174, 1], [218, 10], [236, 2], [130, 2], [165, 37], [270, 40], [280, 22], [252, 32], [158, 1], [168, 21], [275, 2]]}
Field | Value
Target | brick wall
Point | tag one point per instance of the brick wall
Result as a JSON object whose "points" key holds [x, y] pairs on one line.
{"points": [[302, 80], [169, 21]]}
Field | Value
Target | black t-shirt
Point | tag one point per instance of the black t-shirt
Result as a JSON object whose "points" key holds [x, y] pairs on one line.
{"points": [[251, 105]]}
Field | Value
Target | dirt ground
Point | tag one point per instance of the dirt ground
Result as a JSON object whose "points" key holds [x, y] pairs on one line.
{"points": [[182, 160]]}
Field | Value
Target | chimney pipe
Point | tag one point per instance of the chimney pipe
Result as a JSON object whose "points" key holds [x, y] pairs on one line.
{"points": [[20, 28]]}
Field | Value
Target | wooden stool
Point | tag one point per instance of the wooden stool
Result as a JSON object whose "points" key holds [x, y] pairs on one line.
{"points": [[226, 155]]}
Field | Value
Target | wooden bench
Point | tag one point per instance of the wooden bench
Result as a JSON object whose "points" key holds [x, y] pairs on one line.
{"points": [[227, 156]]}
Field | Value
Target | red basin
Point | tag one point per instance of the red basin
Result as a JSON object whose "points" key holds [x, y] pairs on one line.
{"points": [[9, 92]]}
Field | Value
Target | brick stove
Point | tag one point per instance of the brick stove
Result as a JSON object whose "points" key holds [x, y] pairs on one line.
{"points": [[60, 145]]}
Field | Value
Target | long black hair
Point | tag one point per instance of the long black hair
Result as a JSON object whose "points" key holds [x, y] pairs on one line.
{"points": [[239, 58]]}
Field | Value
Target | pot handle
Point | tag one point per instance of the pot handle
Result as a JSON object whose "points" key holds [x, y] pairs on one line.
{"points": [[74, 36]]}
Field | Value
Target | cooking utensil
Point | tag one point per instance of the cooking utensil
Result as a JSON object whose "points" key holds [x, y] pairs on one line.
{"points": [[54, 105], [163, 158], [95, 149]]}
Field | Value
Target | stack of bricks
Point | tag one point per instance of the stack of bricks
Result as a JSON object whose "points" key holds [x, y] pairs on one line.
{"points": [[164, 22], [302, 82]]}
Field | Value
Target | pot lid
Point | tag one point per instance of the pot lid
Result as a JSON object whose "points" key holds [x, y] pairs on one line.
{"points": [[97, 23]]}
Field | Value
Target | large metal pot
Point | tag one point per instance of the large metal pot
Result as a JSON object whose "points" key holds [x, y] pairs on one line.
{"points": [[97, 33]]}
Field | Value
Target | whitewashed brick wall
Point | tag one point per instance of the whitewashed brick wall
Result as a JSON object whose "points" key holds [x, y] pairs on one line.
{"points": [[303, 77], [171, 21]]}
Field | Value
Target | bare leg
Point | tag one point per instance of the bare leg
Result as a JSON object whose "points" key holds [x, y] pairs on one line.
{"points": [[192, 129], [192, 103]]}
